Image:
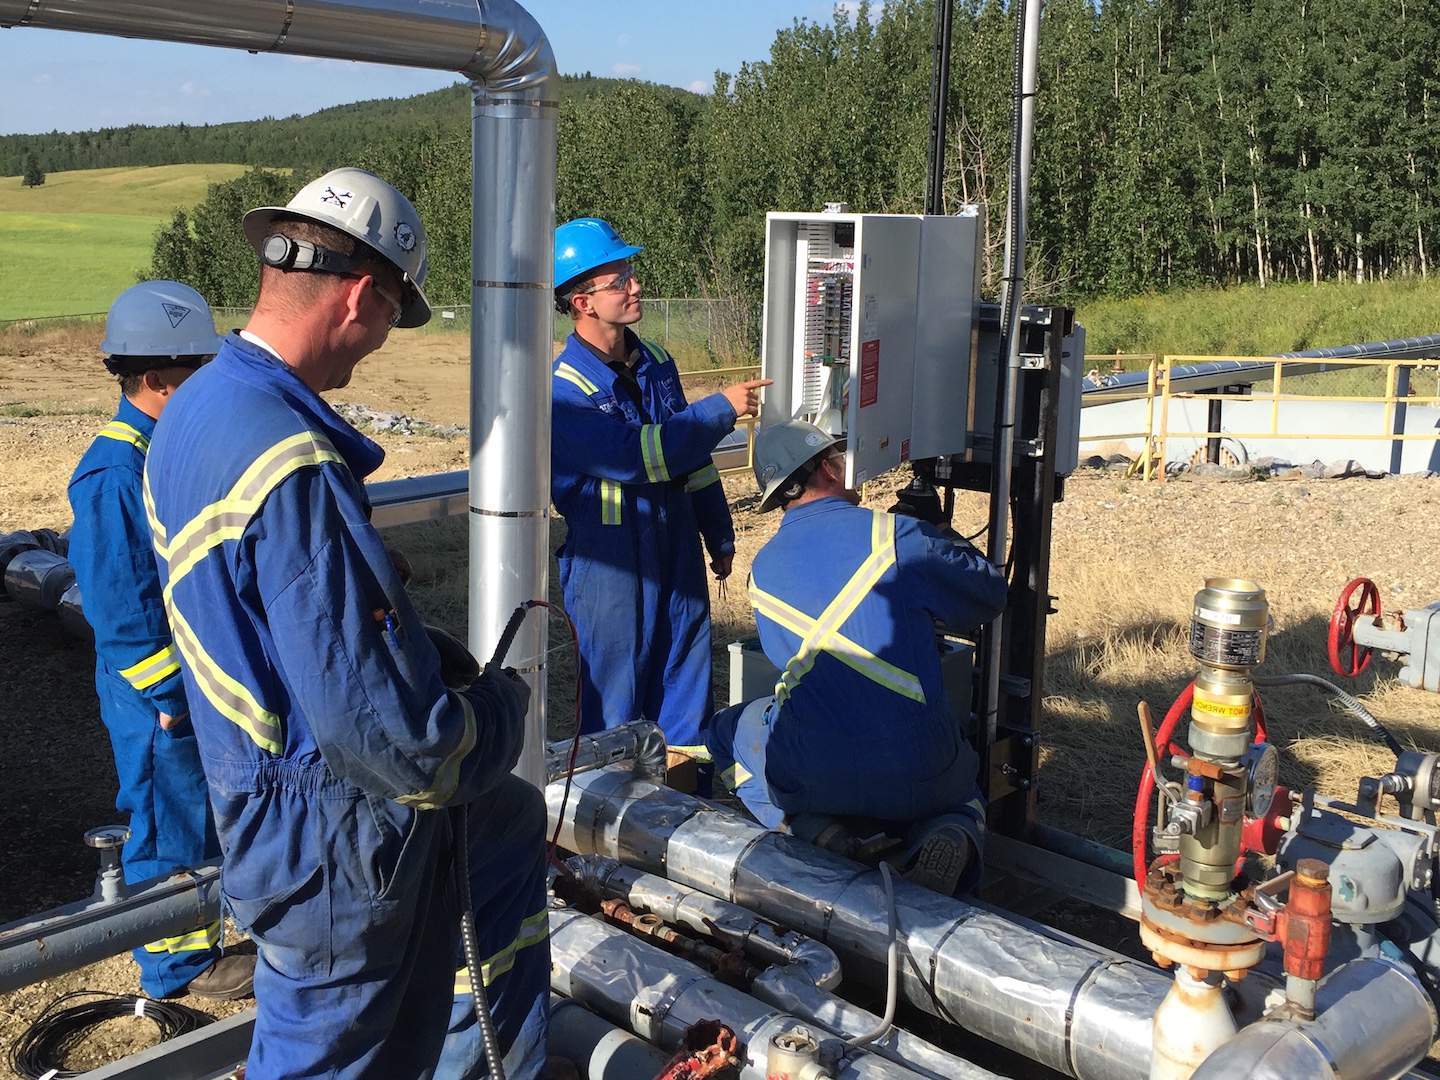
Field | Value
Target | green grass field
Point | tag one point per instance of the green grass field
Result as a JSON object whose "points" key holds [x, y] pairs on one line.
{"points": [[1250, 321], [71, 245]]}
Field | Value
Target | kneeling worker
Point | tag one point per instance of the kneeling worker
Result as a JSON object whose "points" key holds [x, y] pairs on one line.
{"points": [[156, 334], [330, 738], [846, 601]]}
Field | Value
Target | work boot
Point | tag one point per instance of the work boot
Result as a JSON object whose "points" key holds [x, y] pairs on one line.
{"points": [[940, 861], [229, 978]]}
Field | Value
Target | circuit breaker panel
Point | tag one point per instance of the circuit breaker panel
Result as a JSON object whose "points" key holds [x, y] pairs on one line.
{"points": [[868, 331]]}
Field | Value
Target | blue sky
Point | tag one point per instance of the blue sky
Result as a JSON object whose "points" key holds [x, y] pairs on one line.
{"points": [[52, 80]]}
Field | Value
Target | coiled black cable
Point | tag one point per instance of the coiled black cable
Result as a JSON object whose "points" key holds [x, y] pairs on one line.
{"points": [[55, 1034]]}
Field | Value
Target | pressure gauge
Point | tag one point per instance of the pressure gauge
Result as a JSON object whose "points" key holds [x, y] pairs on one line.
{"points": [[1262, 772]]}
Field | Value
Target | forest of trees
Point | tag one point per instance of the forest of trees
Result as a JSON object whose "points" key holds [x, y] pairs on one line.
{"points": [[1179, 142]]}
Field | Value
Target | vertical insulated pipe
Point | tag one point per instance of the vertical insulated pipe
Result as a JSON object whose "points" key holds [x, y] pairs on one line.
{"points": [[513, 223], [1009, 375]]}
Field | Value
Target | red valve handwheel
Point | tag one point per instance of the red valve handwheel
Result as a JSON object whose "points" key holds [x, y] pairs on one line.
{"points": [[1359, 599]]}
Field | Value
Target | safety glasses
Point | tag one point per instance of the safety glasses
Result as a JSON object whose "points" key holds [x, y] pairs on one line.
{"points": [[619, 283]]}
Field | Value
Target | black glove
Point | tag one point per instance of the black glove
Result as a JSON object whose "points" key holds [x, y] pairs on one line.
{"points": [[515, 685], [458, 669]]}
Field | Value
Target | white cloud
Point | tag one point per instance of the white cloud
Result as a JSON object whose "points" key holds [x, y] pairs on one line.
{"points": [[191, 88], [848, 9], [625, 71], [43, 79], [699, 86]]}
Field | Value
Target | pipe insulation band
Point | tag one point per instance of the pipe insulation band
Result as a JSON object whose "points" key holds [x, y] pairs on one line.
{"points": [[1077, 1010]]}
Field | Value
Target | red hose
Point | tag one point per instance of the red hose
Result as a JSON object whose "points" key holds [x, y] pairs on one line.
{"points": [[1140, 826], [1141, 823]]}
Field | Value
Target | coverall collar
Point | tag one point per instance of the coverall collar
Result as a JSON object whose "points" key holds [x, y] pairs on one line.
{"points": [[632, 347], [130, 413], [810, 509], [255, 364]]}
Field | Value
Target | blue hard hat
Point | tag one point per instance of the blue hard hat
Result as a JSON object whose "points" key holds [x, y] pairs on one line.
{"points": [[585, 243]]}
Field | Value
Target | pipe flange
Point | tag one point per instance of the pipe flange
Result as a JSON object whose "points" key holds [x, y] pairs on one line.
{"points": [[1219, 931], [1169, 948]]}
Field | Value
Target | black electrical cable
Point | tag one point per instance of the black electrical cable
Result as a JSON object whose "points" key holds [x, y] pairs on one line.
{"points": [[46, 1044], [1347, 701]]}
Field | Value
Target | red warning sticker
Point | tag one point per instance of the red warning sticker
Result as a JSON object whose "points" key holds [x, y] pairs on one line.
{"points": [[869, 372]]}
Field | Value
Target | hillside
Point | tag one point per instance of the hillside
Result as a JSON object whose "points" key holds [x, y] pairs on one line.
{"points": [[73, 243], [305, 143]]}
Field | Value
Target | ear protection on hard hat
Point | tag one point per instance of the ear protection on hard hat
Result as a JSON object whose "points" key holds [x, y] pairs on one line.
{"points": [[286, 253]]}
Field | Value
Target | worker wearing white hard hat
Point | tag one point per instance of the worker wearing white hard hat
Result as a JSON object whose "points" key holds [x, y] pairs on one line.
{"points": [[329, 733], [846, 601], [156, 334]]}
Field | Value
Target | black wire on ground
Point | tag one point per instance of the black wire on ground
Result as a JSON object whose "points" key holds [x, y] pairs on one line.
{"points": [[1347, 701], [47, 1043]]}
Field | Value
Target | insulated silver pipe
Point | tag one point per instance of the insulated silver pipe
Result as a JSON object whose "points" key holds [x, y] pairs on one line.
{"points": [[1374, 1021], [53, 942], [640, 743], [599, 1049], [1074, 1009], [704, 914], [497, 45], [512, 243], [659, 996]]}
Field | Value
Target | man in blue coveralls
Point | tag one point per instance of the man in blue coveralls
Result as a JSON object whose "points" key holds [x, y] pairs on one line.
{"points": [[331, 743], [632, 474], [846, 600], [156, 334]]}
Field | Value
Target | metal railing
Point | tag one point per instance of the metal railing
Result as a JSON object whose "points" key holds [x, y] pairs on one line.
{"points": [[1159, 391]]}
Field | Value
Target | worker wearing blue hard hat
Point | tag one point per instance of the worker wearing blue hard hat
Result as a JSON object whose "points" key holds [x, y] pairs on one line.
{"points": [[157, 333], [633, 476]]}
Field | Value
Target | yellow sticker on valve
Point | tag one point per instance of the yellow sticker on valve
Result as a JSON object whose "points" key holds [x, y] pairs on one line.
{"points": [[1219, 708]]}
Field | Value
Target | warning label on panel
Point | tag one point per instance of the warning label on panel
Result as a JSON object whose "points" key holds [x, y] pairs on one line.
{"points": [[869, 372]]}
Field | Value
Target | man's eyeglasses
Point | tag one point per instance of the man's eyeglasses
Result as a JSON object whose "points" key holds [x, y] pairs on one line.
{"points": [[397, 308], [619, 283]]}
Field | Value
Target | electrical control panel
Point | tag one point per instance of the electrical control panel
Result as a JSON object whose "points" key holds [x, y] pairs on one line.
{"points": [[869, 331]]}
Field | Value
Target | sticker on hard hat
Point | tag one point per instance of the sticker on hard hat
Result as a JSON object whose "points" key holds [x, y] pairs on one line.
{"points": [[339, 198], [404, 236], [814, 439], [175, 313], [770, 472]]}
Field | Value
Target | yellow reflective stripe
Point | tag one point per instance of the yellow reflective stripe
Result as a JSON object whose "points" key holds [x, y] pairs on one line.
{"points": [[880, 559], [533, 931], [611, 502], [123, 432], [228, 518], [653, 453], [206, 937], [700, 753], [157, 531], [447, 776], [229, 698], [734, 776], [570, 375], [656, 349], [703, 478], [842, 648], [156, 666]]}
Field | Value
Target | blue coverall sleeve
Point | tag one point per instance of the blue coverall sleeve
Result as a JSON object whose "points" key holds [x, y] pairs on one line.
{"points": [[110, 549], [357, 661], [596, 443], [954, 582], [712, 513]]}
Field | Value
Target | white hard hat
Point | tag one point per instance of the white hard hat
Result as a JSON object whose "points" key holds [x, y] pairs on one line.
{"points": [[361, 205], [781, 450], [160, 318]]}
